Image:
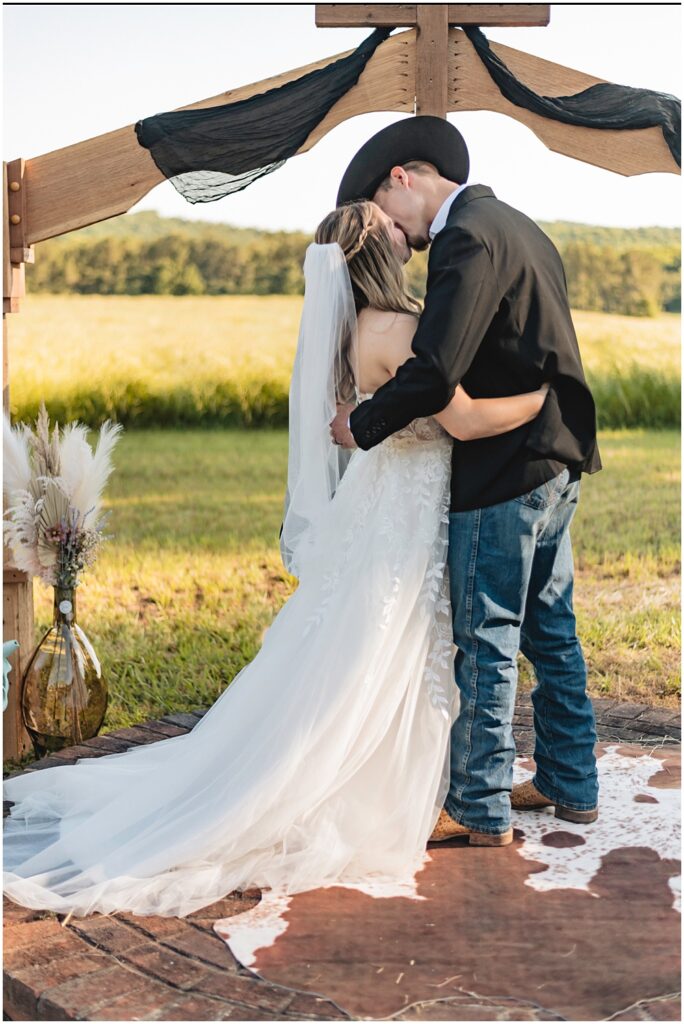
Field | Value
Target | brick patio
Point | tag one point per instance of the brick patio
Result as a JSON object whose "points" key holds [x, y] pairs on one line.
{"points": [[123, 967]]}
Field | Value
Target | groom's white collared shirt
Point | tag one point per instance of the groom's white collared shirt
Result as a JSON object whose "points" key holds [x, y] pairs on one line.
{"points": [[443, 212], [437, 225]]}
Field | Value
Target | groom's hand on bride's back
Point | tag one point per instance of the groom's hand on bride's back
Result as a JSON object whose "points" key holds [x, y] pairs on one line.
{"points": [[339, 427]]}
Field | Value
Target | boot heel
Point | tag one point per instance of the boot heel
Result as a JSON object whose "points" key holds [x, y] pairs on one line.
{"points": [[491, 839], [579, 817]]}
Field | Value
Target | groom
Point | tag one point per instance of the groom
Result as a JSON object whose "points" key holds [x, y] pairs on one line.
{"points": [[496, 318]]}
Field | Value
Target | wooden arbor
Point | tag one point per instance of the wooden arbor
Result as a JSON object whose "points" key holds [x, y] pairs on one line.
{"points": [[431, 67]]}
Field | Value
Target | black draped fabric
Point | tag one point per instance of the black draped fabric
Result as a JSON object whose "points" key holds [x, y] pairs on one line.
{"points": [[209, 152], [600, 106]]}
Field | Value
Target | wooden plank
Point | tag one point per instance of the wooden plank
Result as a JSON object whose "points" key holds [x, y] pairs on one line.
{"points": [[509, 15], [17, 589], [16, 199], [387, 83], [105, 176], [627, 152], [6, 267], [17, 624], [432, 59], [373, 15], [6, 290], [10, 574], [400, 15], [5, 365]]}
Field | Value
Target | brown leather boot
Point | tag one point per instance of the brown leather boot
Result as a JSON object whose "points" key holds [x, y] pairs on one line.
{"points": [[526, 797], [447, 828]]}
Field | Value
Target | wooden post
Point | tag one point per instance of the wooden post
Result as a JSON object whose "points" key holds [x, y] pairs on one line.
{"points": [[17, 586], [432, 59]]}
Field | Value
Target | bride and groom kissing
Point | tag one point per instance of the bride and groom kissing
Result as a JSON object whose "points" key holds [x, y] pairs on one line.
{"points": [[434, 469]]}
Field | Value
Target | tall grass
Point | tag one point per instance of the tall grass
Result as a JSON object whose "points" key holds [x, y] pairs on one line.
{"points": [[636, 397], [225, 361]]}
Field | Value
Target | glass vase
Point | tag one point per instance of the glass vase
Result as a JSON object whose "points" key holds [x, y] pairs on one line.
{"points": [[64, 697]]}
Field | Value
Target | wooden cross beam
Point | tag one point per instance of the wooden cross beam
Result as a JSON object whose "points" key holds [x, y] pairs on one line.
{"points": [[407, 15], [431, 22], [104, 176]]}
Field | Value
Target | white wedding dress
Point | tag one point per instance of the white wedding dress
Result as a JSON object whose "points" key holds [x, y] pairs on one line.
{"points": [[325, 761]]}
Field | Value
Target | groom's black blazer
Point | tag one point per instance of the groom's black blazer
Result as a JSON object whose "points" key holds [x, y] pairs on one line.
{"points": [[496, 318]]}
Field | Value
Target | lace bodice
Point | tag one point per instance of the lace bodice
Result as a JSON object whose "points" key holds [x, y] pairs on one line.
{"points": [[423, 428]]}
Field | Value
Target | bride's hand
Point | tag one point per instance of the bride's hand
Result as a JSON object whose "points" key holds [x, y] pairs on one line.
{"points": [[339, 431]]}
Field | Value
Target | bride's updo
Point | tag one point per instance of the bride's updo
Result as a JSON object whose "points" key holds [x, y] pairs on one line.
{"points": [[376, 272]]}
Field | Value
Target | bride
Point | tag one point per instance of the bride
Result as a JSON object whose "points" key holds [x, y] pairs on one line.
{"points": [[326, 760]]}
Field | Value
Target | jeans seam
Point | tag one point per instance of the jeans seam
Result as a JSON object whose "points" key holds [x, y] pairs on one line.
{"points": [[549, 734], [552, 744], [472, 703], [524, 637]]}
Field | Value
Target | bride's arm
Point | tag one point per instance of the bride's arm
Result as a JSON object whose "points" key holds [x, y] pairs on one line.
{"points": [[465, 418]]}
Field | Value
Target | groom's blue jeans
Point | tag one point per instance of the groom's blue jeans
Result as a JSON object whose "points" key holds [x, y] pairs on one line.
{"points": [[511, 580]]}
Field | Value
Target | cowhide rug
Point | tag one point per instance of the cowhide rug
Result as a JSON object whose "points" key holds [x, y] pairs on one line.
{"points": [[568, 922]]}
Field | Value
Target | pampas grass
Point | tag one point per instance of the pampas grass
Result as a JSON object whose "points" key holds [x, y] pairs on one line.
{"points": [[54, 485]]}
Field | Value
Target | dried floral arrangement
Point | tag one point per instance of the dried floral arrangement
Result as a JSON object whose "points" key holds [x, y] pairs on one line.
{"points": [[54, 486]]}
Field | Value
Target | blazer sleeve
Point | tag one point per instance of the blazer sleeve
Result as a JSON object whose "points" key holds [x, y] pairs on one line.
{"points": [[565, 427], [461, 300]]}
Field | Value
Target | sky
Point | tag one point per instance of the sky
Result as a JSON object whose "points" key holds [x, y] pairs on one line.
{"points": [[74, 71]]}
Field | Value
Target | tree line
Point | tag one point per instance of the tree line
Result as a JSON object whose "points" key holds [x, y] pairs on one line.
{"points": [[636, 272]]}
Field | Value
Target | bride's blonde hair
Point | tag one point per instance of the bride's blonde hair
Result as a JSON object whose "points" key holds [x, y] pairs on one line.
{"points": [[376, 272]]}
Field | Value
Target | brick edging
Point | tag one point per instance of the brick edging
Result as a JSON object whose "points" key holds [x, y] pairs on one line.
{"points": [[615, 721]]}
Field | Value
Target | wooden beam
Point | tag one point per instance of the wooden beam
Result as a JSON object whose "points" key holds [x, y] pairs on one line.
{"points": [[16, 217], [6, 290], [627, 151], [432, 59], [405, 15], [508, 15], [105, 176], [17, 588], [371, 15], [17, 624], [387, 83]]}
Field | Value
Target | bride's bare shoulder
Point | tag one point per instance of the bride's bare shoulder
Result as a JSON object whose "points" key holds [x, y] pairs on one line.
{"points": [[383, 338], [376, 323]]}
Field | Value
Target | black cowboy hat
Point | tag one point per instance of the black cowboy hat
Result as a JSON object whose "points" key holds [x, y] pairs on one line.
{"points": [[413, 138]]}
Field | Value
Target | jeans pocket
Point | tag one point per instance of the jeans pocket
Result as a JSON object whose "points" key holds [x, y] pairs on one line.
{"points": [[547, 493]]}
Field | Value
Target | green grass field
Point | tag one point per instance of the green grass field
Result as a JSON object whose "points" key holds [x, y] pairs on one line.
{"points": [[181, 595]]}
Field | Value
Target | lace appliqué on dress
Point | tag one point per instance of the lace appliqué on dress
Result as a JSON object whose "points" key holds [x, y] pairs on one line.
{"points": [[415, 461]]}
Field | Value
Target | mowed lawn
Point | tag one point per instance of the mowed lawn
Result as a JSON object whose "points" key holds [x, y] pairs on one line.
{"points": [[182, 593]]}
